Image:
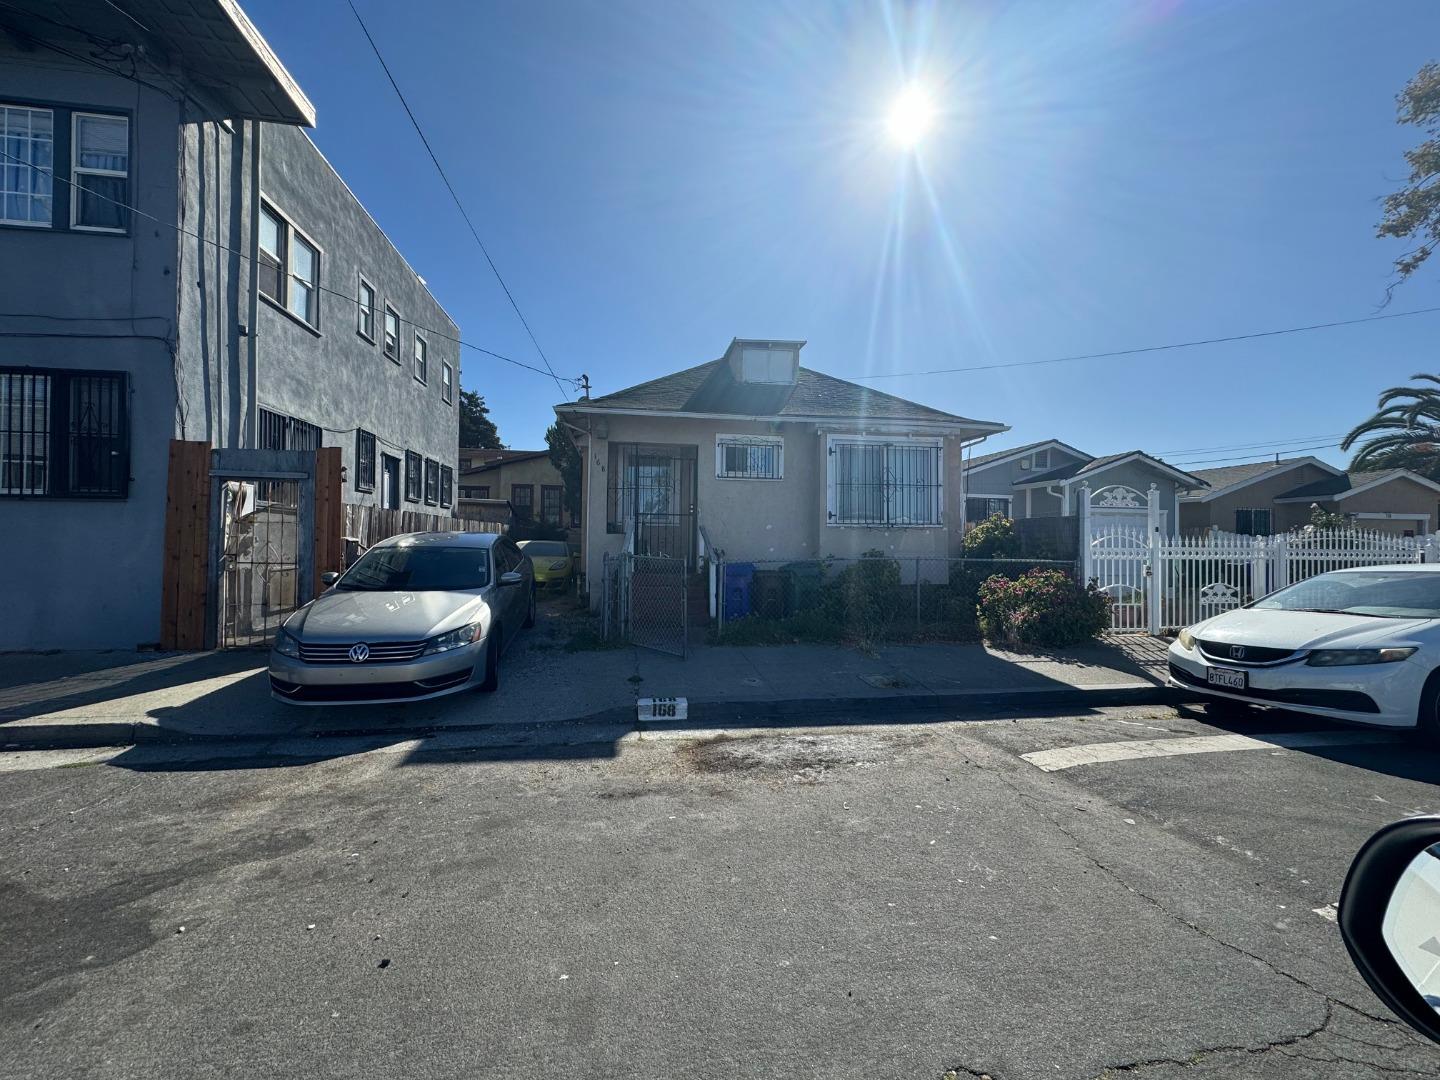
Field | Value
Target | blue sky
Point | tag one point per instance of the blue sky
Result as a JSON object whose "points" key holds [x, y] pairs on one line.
{"points": [[655, 179]]}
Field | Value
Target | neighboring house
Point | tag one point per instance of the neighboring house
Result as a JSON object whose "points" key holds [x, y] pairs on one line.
{"points": [[769, 460], [181, 262], [1044, 480], [1265, 497], [524, 478]]}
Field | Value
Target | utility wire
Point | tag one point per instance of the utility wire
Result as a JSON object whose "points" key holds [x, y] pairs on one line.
{"points": [[1155, 348], [451, 188], [1253, 446], [243, 255], [1251, 457]]}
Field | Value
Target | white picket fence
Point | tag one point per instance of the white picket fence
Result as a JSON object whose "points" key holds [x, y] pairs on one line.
{"points": [[1157, 582]]}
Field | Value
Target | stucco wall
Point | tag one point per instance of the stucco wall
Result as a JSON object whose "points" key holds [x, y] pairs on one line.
{"points": [[753, 520], [1399, 496], [85, 573], [1220, 513]]}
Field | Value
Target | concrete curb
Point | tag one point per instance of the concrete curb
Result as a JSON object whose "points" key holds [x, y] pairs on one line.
{"points": [[702, 714]]}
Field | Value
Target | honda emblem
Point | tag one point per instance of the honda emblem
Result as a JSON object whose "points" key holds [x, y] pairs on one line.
{"points": [[361, 652], [1237, 652]]}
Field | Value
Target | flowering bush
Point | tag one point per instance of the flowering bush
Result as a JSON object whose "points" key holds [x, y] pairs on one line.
{"points": [[993, 538], [1041, 607]]}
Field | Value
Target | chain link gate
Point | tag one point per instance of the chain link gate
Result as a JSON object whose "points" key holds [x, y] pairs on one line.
{"points": [[644, 602]]}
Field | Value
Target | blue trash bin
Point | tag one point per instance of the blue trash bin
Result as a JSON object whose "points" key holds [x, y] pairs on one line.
{"points": [[738, 578]]}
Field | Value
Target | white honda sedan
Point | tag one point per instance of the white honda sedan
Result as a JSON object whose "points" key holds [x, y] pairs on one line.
{"points": [[1358, 645]]}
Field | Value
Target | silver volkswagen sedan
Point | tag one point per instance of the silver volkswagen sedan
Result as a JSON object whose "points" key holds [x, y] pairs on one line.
{"points": [[417, 616]]}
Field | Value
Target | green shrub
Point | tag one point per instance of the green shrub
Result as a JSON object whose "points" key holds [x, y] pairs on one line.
{"points": [[993, 538], [1041, 607]]}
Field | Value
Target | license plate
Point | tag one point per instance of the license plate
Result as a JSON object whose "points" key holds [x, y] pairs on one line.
{"points": [[1226, 679]]}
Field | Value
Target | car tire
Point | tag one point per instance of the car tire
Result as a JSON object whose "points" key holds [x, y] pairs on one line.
{"points": [[1427, 721], [530, 611], [492, 664]]}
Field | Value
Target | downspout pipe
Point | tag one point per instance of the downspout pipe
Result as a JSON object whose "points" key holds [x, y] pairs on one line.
{"points": [[252, 347]]}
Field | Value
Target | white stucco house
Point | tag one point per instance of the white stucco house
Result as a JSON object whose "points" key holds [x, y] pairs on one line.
{"points": [[762, 458]]}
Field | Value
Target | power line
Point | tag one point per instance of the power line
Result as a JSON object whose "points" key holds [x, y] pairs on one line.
{"points": [[1155, 348], [1250, 457], [243, 255], [1253, 446], [451, 188]]}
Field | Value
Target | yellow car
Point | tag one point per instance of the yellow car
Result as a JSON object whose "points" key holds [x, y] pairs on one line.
{"points": [[551, 561]]}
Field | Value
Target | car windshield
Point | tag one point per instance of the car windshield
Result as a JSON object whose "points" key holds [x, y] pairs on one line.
{"points": [[416, 568], [1392, 594], [555, 549]]}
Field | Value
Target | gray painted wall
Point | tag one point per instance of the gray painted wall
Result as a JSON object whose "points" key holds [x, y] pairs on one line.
{"points": [[94, 566], [1001, 478]]}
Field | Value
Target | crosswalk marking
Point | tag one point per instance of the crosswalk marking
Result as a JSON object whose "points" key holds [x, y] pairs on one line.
{"points": [[1067, 757]]}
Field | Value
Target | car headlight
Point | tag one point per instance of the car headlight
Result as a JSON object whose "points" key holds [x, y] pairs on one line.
{"points": [[287, 644], [558, 564], [1186, 639], [1352, 657], [454, 639]]}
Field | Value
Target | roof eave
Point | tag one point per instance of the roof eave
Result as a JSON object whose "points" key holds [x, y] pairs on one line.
{"points": [[958, 424]]}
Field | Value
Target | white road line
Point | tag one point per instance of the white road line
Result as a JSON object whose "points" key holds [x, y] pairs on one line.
{"points": [[1067, 757]]}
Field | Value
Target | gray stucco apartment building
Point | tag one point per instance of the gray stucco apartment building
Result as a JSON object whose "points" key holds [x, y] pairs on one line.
{"points": [[180, 261]]}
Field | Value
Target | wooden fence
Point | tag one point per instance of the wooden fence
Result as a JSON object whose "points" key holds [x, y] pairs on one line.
{"points": [[371, 524]]}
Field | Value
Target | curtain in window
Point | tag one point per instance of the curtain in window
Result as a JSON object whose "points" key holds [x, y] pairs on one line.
{"points": [[101, 171], [27, 136]]}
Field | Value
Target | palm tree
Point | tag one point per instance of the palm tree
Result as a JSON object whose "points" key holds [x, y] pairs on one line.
{"points": [[1404, 433]]}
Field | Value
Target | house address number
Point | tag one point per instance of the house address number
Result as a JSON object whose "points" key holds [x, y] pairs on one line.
{"points": [[662, 708]]}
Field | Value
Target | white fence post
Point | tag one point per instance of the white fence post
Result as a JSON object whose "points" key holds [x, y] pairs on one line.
{"points": [[1087, 557], [1259, 568], [1155, 571]]}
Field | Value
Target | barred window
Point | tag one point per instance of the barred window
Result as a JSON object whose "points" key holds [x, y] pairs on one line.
{"points": [[1253, 521], [980, 507], [412, 476], [447, 485], [432, 481], [64, 434], [364, 460], [280, 432], [749, 457], [884, 484]]}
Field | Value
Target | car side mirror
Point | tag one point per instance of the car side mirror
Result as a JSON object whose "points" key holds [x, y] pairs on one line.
{"points": [[329, 578], [511, 577], [1390, 919]]}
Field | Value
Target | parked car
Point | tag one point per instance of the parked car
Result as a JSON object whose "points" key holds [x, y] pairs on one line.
{"points": [[416, 617], [1360, 645], [553, 563]]}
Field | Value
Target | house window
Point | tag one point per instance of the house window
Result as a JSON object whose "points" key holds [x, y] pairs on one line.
{"points": [[552, 499], [1252, 521], [980, 507], [412, 476], [364, 460], [289, 270], [432, 481], [884, 484], [447, 485], [100, 172], [279, 432], [749, 457], [447, 382], [27, 174], [759, 364], [480, 492], [391, 347], [522, 500], [64, 434], [1041, 458], [365, 311], [421, 352]]}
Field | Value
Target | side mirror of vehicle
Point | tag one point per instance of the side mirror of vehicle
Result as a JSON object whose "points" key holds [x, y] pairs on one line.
{"points": [[512, 577], [329, 578], [1390, 919]]}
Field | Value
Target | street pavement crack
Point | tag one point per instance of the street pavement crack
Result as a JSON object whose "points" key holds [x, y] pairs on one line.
{"points": [[1198, 1056]]}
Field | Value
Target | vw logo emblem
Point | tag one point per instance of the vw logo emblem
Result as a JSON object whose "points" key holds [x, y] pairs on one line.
{"points": [[1237, 652], [360, 653]]}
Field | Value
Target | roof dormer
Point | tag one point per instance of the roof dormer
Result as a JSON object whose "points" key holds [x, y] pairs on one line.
{"points": [[773, 363]]}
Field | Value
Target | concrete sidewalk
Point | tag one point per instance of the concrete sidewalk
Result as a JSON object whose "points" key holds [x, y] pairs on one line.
{"points": [[117, 698]]}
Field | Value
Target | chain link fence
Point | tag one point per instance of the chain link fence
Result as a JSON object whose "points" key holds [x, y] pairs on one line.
{"points": [[870, 598], [643, 601]]}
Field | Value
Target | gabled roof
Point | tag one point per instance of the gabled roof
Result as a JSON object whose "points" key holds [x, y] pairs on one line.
{"points": [[503, 457], [1234, 477], [982, 461], [1081, 470], [711, 390], [1346, 484]]}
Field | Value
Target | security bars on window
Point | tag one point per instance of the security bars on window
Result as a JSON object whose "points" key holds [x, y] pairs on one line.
{"points": [[886, 485], [64, 434], [738, 457]]}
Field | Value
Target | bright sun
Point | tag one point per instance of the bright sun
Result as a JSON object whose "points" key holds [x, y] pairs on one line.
{"points": [[911, 116]]}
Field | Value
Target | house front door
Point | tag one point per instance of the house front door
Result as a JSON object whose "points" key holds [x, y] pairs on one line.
{"points": [[657, 500], [389, 482]]}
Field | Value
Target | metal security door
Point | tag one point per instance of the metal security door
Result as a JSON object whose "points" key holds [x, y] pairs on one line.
{"points": [[655, 603], [656, 496], [262, 542]]}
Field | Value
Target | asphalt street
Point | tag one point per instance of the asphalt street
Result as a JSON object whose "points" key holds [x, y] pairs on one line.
{"points": [[964, 897]]}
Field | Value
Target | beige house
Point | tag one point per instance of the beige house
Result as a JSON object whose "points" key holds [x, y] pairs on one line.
{"points": [[1265, 497], [524, 478], [764, 459]]}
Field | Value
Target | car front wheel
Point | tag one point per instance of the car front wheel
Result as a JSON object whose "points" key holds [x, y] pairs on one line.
{"points": [[1427, 722]]}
